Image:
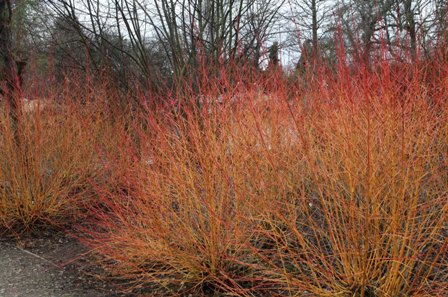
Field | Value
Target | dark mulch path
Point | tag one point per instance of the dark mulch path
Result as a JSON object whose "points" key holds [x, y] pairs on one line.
{"points": [[50, 264]]}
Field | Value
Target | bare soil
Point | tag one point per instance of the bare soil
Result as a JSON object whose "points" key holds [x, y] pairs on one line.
{"points": [[49, 265]]}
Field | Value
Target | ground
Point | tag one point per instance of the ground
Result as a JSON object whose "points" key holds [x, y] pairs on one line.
{"points": [[48, 266]]}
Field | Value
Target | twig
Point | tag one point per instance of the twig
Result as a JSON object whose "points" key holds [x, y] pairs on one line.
{"points": [[39, 257]]}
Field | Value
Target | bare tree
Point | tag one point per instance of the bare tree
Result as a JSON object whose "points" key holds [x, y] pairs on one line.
{"points": [[214, 30], [311, 18], [11, 69], [360, 20], [410, 21], [441, 19]]}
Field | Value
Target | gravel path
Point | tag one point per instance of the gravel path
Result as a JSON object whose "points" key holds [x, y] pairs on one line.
{"points": [[46, 268]]}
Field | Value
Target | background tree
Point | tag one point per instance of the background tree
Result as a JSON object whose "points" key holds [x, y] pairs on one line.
{"points": [[10, 69], [273, 55], [311, 19], [360, 21], [154, 41]]}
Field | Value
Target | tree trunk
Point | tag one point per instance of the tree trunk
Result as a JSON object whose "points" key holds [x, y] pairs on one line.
{"points": [[8, 70], [314, 29], [410, 27]]}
